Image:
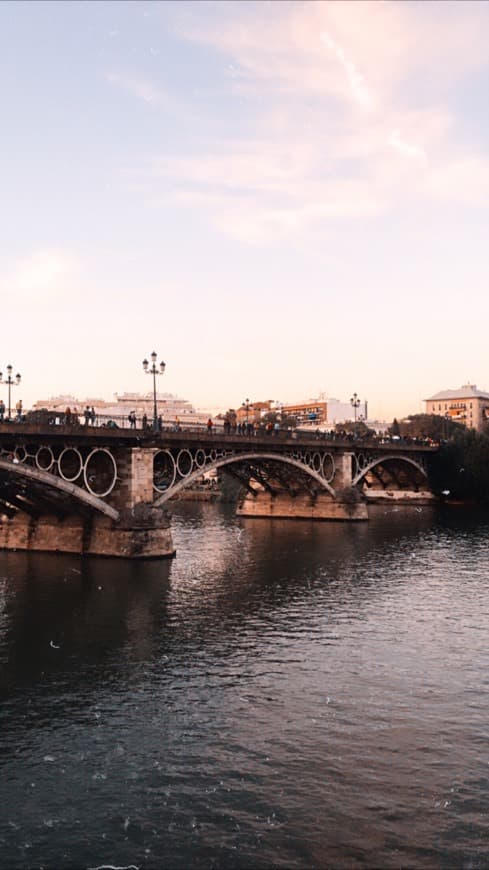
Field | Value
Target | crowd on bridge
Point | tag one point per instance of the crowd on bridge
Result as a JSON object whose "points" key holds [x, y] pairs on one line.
{"points": [[217, 427], [5, 415]]}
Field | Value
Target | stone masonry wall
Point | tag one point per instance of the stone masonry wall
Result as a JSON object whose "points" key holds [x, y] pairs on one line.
{"points": [[135, 477], [301, 507], [97, 536]]}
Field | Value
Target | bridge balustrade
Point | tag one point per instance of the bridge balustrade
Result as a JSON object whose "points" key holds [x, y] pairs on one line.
{"points": [[77, 423]]}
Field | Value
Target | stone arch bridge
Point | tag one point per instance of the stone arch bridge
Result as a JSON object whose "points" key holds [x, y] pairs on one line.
{"points": [[105, 491]]}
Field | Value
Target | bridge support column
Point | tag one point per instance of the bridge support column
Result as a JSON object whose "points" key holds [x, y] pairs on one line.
{"points": [[144, 530], [343, 475], [302, 506], [136, 535]]}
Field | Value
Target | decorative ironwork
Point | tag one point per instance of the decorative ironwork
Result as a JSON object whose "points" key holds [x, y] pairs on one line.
{"points": [[305, 468], [309, 468], [372, 461], [93, 470], [290, 470]]}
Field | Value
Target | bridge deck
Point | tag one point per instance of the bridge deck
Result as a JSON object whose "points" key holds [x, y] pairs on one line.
{"points": [[98, 435]]}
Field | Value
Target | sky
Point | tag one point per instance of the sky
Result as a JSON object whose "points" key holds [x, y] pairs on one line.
{"points": [[279, 198]]}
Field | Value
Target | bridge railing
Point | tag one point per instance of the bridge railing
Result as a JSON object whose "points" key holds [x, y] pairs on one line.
{"points": [[79, 422]]}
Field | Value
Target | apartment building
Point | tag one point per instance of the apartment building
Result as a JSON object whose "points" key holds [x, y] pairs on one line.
{"points": [[313, 411], [467, 405]]}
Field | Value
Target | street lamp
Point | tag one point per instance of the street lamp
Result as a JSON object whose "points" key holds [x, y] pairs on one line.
{"points": [[246, 407], [11, 382], [154, 371], [355, 403]]}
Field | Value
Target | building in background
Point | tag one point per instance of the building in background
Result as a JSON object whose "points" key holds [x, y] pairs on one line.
{"points": [[252, 412], [467, 405], [325, 412], [343, 412], [311, 412], [171, 408]]}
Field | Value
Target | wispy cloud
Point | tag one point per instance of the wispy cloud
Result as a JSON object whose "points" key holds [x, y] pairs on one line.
{"points": [[333, 130], [360, 92], [138, 86], [405, 148]]}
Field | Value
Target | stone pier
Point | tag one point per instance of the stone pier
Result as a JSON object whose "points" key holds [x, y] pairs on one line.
{"points": [[135, 535], [302, 506]]}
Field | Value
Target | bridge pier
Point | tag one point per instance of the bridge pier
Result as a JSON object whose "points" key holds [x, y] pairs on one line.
{"points": [[343, 475], [136, 535], [302, 506], [400, 497]]}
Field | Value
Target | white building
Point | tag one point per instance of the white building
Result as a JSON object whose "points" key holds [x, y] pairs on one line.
{"points": [[171, 408]]}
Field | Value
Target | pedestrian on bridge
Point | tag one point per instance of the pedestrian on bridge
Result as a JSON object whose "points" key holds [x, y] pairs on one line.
{"points": [[2, 410]]}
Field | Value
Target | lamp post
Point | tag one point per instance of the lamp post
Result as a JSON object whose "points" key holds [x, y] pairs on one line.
{"points": [[153, 370], [11, 382], [246, 407], [355, 403]]}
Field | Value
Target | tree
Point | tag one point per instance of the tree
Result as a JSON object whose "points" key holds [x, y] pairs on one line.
{"points": [[269, 417], [288, 421], [395, 428], [461, 467], [432, 426], [360, 428]]}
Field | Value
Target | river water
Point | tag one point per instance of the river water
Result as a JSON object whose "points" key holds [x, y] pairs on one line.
{"points": [[282, 694]]}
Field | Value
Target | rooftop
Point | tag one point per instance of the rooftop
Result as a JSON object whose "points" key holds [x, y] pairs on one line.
{"points": [[466, 391]]}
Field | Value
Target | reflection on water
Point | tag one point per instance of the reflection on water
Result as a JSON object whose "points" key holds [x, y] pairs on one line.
{"points": [[283, 693]]}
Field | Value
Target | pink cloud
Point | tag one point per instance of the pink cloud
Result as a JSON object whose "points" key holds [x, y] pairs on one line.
{"points": [[336, 132]]}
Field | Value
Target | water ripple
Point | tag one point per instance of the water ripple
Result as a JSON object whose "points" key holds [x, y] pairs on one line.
{"points": [[282, 694]]}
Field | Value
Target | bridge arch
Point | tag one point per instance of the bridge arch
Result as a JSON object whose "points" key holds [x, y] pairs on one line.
{"points": [[381, 460], [49, 481], [240, 458]]}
